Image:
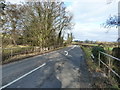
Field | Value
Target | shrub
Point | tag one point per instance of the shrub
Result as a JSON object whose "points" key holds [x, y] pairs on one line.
{"points": [[96, 49], [116, 53], [95, 52]]}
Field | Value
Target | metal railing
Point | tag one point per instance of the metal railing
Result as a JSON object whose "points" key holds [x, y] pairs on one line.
{"points": [[109, 66]]}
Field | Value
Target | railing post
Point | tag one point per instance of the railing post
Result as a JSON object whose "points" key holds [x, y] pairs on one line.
{"points": [[99, 58], [109, 64]]}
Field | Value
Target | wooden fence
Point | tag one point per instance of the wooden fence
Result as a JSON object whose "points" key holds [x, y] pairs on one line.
{"points": [[10, 53], [109, 65]]}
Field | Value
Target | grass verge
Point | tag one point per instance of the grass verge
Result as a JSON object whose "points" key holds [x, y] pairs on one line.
{"points": [[23, 56], [99, 80]]}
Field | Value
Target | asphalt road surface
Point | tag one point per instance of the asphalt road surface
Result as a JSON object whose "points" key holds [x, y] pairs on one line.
{"points": [[64, 68]]}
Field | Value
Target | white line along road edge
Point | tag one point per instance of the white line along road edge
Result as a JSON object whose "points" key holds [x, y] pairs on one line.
{"points": [[22, 76]]}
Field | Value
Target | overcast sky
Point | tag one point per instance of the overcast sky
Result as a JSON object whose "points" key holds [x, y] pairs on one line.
{"points": [[88, 17]]}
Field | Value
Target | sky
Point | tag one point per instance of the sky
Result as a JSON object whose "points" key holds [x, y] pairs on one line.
{"points": [[89, 15]]}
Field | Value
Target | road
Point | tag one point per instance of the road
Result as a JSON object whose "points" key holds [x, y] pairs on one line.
{"points": [[64, 68]]}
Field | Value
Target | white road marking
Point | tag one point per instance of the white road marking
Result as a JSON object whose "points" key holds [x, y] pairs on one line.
{"points": [[69, 55], [66, 52], [32, 70], [72, 48], [58, 78], [22, 76]]}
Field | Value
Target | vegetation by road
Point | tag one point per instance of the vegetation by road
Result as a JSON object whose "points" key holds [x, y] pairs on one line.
{"points": [[19, 53], [32, 25], [40, 24], [100, 80]]}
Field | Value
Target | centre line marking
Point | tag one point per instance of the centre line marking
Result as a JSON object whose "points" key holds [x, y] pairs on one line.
{"points": [[22, 76], [72, 47]]}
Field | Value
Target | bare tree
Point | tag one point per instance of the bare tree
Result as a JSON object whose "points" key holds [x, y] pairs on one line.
{"points": [[46, 22], [37, 23], [12, 23]]}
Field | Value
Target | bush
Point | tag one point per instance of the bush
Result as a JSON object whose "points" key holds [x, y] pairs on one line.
{"points": [[95, 52], [116, 53]]}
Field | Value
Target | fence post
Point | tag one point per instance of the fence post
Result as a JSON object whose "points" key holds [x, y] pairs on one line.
{"points": [[11, 52], [26, 51], [109, 67], [36, 49], [99, 58]]}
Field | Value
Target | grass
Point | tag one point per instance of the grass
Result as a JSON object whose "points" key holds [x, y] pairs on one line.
{"points": [[17, 46], [91, 44], [14, 50], [92, 66]]}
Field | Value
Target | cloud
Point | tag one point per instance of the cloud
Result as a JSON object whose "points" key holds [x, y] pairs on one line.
{"points": [[82, 32], [89, 15]]}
